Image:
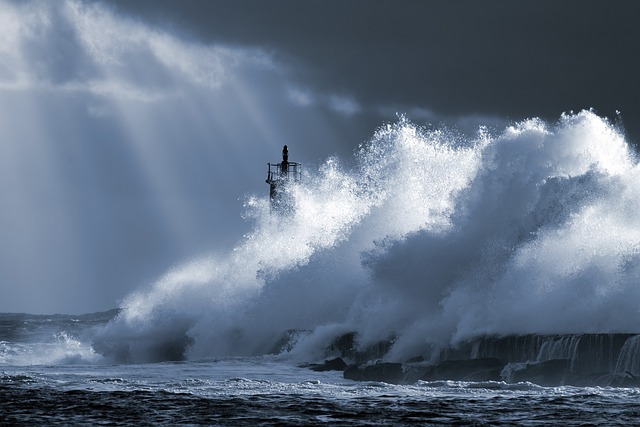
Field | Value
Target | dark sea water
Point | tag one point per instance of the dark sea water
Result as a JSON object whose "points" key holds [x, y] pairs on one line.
{"points": [[50, 376], [274, 393]]}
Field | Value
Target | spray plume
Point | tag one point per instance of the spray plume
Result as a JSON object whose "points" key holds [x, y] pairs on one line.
{"points": [[431, 238]]}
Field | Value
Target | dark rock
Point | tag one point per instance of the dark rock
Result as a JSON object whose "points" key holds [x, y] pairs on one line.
{"points": [[375, 351], [172, 348], [589, 353], [493, 374], [336, 364], [347, 346], [344, 345], [288, 340], [485, 369], [628, 380], [571, 359], [550, 373], [413, 372], [397, 373], [382, 371]]}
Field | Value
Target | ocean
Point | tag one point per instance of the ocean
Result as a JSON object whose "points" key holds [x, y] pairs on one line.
{"points": [[50, 376], [427, 240]]}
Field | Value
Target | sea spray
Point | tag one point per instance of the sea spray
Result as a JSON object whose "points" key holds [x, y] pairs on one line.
{"points": [[211, 299], [431, 239], [27, 339]]}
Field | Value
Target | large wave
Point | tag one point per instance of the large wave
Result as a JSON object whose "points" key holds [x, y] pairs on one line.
{"points": [[431, 238]]}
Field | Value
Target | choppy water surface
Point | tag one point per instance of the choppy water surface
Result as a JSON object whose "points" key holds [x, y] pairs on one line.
{"points": [[266, 391], [51, 378]]}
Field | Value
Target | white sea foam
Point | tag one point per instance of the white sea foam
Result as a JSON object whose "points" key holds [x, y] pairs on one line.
{"points": [[61, 349], [431, 238]]}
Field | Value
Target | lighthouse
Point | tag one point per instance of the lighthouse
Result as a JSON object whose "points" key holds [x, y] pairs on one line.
{"points": [[279, 176]]}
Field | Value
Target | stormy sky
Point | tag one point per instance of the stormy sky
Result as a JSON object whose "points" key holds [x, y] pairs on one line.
{"points": [[448, 59], [132, 131]]}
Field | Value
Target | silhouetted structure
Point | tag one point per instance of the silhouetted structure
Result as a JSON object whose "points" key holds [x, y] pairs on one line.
{"points": [[280, 174]]}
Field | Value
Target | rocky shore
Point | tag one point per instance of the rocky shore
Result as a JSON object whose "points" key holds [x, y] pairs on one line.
{"points": [[547, 360]]}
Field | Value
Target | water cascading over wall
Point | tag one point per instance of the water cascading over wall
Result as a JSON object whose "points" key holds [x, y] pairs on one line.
{"points": [[585, 353]]}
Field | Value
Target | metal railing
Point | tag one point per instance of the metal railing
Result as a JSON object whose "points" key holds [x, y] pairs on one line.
{"points": [[291, 172]]}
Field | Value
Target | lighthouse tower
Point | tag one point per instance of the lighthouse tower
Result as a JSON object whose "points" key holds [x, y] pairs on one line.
{"points": [[279, 176]]}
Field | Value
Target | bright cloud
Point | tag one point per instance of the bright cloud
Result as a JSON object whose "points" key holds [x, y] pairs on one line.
{"points": [[74, 46]]}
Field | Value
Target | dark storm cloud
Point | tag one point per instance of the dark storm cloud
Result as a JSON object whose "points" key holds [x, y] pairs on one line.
{"points": [[512, 59]]}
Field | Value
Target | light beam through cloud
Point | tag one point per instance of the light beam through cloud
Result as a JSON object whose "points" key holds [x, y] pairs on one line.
{"points": [[126, 148]]}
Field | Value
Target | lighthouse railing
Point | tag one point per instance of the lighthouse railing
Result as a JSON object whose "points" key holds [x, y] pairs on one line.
{"points": [[293, 172]]}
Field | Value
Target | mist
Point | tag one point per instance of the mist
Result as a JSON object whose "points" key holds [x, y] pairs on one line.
{"points": [[429, 239], [127, 149]]}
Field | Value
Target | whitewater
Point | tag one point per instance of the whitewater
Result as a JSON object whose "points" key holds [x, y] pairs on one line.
{"points": [[429, 238], [426, 239]]}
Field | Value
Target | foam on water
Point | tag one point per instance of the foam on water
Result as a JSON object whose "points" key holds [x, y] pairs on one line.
{"points": [[431, 237], [61, 349]]}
